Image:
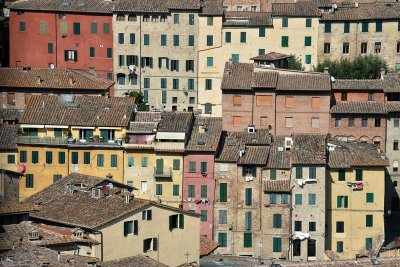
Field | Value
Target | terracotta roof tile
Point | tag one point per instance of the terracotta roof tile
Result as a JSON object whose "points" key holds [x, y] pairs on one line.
{"points": [[12, 115], [272, 56], [255, 155], [391, 82], [58, 78], [282, 185], [247, 19], [92, 6], [176, 122], [207, 246], [13, 208], [358, 85], [207, 140], [213, 7], [82, 111], [392, 106], [364, 11], [359, 107], [148, 116], [155, 6], [308, 149], [237, 76], [278, 158], [304, 82], [8, 134], [142, 127], [265, 79], [297, 9], [135, 261]]}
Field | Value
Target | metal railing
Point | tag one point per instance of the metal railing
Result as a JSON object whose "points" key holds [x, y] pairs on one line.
{"points": [[164, 173]]}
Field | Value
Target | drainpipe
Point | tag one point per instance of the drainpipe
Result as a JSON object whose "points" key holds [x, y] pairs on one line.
{"points": [[101, 243]]}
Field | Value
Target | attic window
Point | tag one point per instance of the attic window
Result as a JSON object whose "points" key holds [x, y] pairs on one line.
{"points": [[81, 4], [107, 106], [78, 233], [95, 193], [232, 143], [201, 143], [33, 235], [65, 3]]}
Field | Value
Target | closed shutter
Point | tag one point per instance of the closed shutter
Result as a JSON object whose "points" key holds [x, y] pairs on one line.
{"points": [[272, 198], [64, 28], [144, 161], [104, 135], [159, 165], [264, 100], [114, 161], [49, 157], [131, 161], [223, 192], [74, 157], [228, 37], [261, 32], [307, 41], [342, 175], [208, 108], [247, 240], [369, 220], [299, 172], [120, 38], [254, 171], [285, 41], [77, 28], [248, 220], [359, 175], [43, 27], [370, 197], [57, 132], [175, 190], [146, 96], [132, 38], [222, 240], [191, 40], [61, 157], [181, 221], [277, 220], [192, 166], [223, 217], [312, 173], [346, 27], [203, 191], [164, 97], [203, 167], [190, 84], [22, 156], [277, 244], [284, 198], [339, 246], [93, 28], [86, 157], [249, 192], [191, 190], [176, 164], [106, 28], [243, 37], [100, 160], [289, 101], [272, 174], [35, 157], [203, 215]]}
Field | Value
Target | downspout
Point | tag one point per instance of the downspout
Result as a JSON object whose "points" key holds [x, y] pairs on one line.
{"points": [[275, 113], [140, 54], [55, 25], [101, 243]]}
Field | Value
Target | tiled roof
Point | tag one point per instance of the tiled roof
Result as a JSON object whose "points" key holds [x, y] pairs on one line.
{"points": [[176, 122], [15, 208], [11, 114], [17, 234], [261, 137], [135, 261], [265, 79], [255, 155], [278, 158], [79, 6], [359, 262], [207, 140], [358, 85], [392, 106], [391, 83], [323, 3], [308, 149], [297, 9], [353, 154], [282, 185], [142, 127], [80, 209], [272, 56], [8, 134], [207, 246], [35, 256], [358, 107], [237, 76], [155, 6], [82, 111], [304, 82], [212, 8], [58, 78], [364, 11], [148, 116], [247, 19]]}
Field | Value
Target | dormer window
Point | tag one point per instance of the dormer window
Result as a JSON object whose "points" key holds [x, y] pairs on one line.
{"points": [[120, 17], [33, 235], [78, 233], [95, 193]]}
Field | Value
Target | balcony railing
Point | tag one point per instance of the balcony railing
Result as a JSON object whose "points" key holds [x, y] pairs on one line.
{"points": [[163, 173], [50, 140]]}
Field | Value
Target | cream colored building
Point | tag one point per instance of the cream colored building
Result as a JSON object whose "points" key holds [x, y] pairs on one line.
{"points": [[355, 199]]}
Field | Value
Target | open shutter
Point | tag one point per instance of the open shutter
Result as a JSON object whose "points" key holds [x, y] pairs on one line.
{"points": [[149, 215], [170, 223], [346, 200], [254, 171], [151, 62], [144, 215], [167, 63], [155, 244], [76, 56], [142, 62], [144, 245], [126, 228], [181, 221], [65, 55], [159, 62], [339, 201], [135, 227], [243, 170]]}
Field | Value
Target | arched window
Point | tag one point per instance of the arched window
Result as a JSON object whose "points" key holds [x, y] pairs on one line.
{"points": [[120, 17], [132, 17], [121, 78]]}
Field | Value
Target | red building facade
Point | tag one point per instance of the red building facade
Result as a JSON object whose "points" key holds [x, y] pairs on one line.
{"points": [[75, 35]]}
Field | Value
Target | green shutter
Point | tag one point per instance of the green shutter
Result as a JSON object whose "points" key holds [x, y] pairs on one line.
{"points": [[222, 240], [146, 96], [203, 192], [207, 108], [163, 39], [210, 21], [192, 166], [277, 221], [370, 197], [223, 192], [346, 27], [228, 37], [342, 175], [93, 28], [75, 158], [120, 38], [285, 22], [277, 244], [364, 27], [190, 84], [10, 159], [22, 156], [339, 201], [272, 198], [64, 28], [181, 221], [191, 40], [203, 167], [261, 32], [272, 174], [249, 192], [328, 27], [159, 166], [299, 172], [369, 220], [49, 157], [191, 190], [61, 157], [203, 215], [254, 171], [175, 190], [243, 37], [308, 22], [176, 164], [247, 240], [114, 160], [132, 39], [170, 222], [35, 157], [176, 40], [248, 220], [298, 199], [146, 39], [100, 160], [106, 28], [91, 52], [307, 41], [144, 161], [57, 132], [346, 202], [359, 175], [22, 26], [43, 27], [86, 157], [339, 246], [77, 28], [131, 161]]}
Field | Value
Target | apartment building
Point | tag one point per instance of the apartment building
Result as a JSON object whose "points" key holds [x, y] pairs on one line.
{"points": [[69, 34], [237, 208], [198, 171], [284, 102], [64, 134], [355, 199], [17, 85], [129, 226], [357, 90], [346, 31]]}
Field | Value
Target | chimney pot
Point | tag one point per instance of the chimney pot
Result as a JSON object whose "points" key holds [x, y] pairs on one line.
{"points": [[39, 80], [326, 69], [383, 72], [71, 81]]}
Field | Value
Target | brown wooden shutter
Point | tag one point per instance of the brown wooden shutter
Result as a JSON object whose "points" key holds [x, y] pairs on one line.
{"points": [[289, 101], [237, 100], [11, 99], [316, 102], [264, 100], [237, 121]]}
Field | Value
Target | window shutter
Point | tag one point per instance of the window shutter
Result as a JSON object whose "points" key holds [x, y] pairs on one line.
{"points": [[346, 200], [143, 215], [203, 167], [132, 38], [65, 55], [155, 244], [170, 223], [167, 63], [339, 201], [181, 221], [272, 174], [159, 165], [203, 192], [244, 170], [176, 164], [142, 62], [149, 215], [151, 62], [144, 245], [254, 171], [247, 238], [126, 228], [249, 192], [223, 192], [135, 227], [359, 175]]}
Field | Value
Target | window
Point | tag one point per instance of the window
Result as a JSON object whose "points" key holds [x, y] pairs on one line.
{"points": [[176, 40], [377, 47], [175, 84], [277, 244], [210, 61], [285, 22], [210, 21], [43, 26], [191, 19], [228, 37], [398, 51], [248, 196], [132, 38], [342, 175], [203, 191], [190, 84], [243, 37], [93, 28], [207, 108], [22, 156], [147, 62], [50, 48], [378, 26], [192, 100], [364, 122], [63, 29], [176, 18], [369, 220], [237, 100], [114, 161], [307, 41], [289, 101], [121, 60], [106, 28], [210, 40], [76, 28], [359, 175], [192, 166], [346, 27], [312, 226], [22, 26], [222, 217], [272, 198], [11, 159], [248, 220], [311, 248], [377, 122], [222, 240], [308, 59], [163, 40], [345, 48], [146, 39], [49, 157], [71, 55], [285, 41], [308, 22], [315, 123], [191, 40], [120, 17], [342, 202], [203, 216], [237, 120], [261, 51], [143, 186], [369, 197], [191, 191], [11, 98], [299, 172], [277, 220], [327, 48], [175, 65], [144, 162], [289, 122], [131, 228], [312, 172], [253, 8], [159, 189], [35, 157], [29, 181], [396, 145], [203, 167], [261, 32], [312, 199], [351, 122], [364, 48], [339, 227], [208, 84], [297, 226], [235, 57], [247, 240], [150, 244], [364, 27], [91, 52], [396, 122], [296, 247], [56, 177], [338, 122], [298, 199], [239, 8], [175, 190], [176, 221], [339, 246], [121, 78], [264, 100], [395, 168], [328, 27], [223, 192], [368, 244]]}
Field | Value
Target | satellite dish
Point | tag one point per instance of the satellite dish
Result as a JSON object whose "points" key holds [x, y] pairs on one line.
{"points": [[52, 66]]}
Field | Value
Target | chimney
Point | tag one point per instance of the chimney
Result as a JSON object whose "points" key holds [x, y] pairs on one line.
{"points": [[109, 176], [58, 256], [383, 72], [202, 129], [38, 80], [326, 69], [71, 80]]}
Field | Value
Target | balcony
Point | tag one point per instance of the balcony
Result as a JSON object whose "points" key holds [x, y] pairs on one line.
{"points": [[163, 173], [69, 141]]}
